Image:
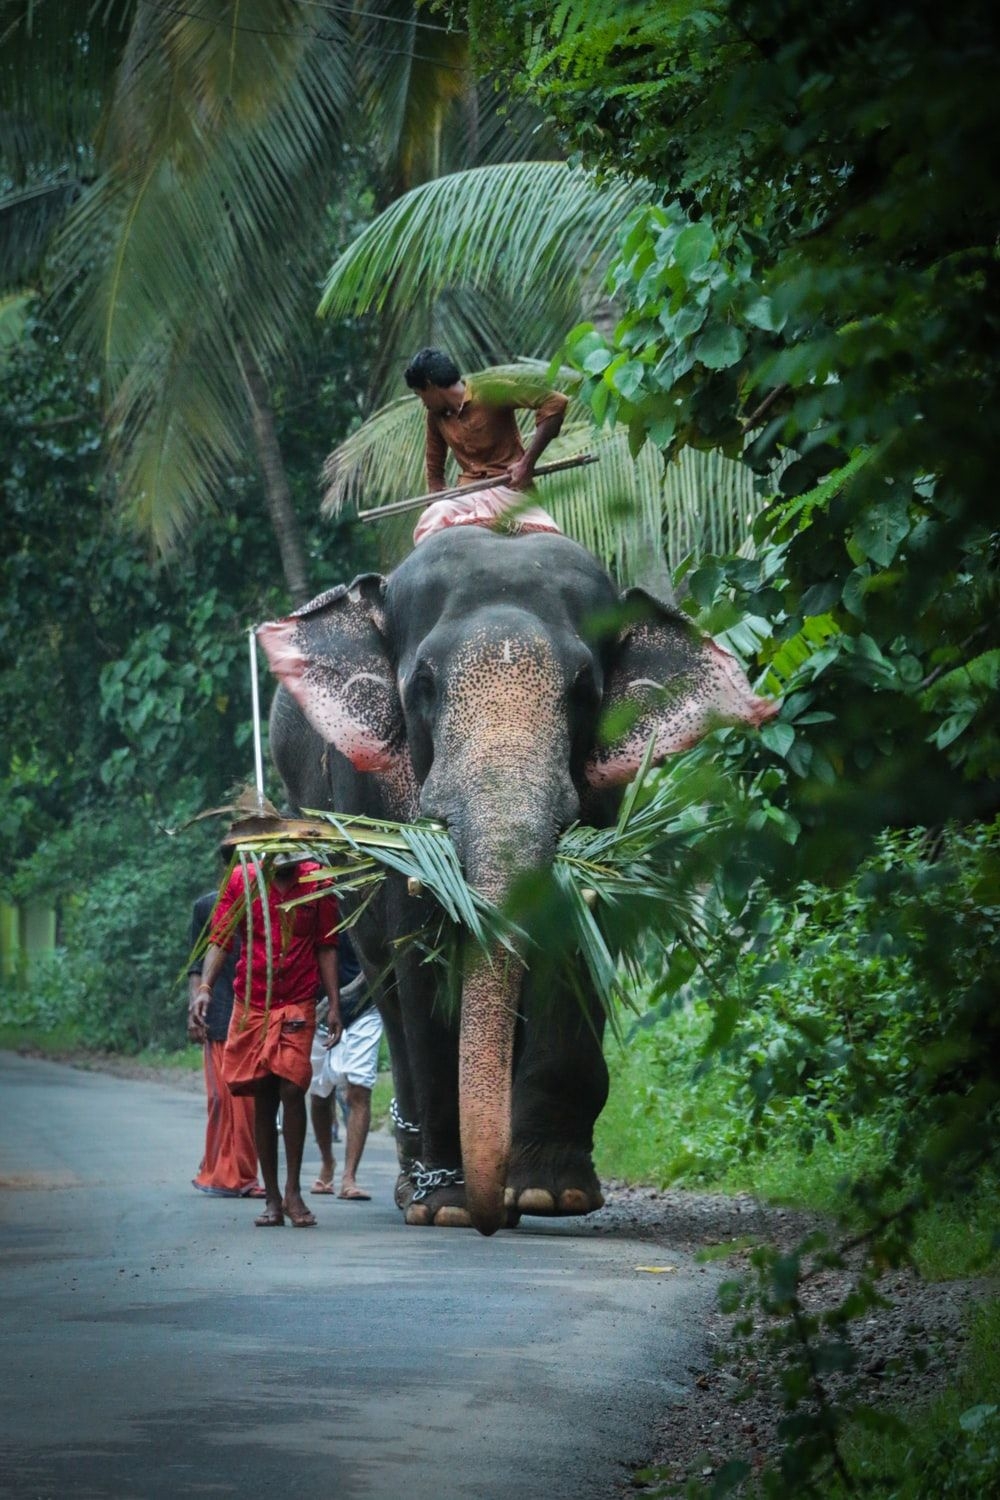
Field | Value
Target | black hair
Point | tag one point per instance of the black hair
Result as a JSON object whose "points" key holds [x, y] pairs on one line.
{"points": [[431, 367]]}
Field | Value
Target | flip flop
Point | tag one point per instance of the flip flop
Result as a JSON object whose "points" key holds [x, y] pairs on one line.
{"points": [[270, 1219], [355, 1195], [322, 1189], [253, 1192]]}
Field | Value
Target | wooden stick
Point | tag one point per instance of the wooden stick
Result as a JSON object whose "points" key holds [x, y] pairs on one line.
{"points": [[416, 501]]}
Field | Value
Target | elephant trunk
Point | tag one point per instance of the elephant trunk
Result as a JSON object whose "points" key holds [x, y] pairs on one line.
{"points": [[501, 782], [491, 996]]}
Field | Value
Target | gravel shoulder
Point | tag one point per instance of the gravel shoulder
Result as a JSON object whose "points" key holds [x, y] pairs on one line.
{"points": [[730, 1409]]}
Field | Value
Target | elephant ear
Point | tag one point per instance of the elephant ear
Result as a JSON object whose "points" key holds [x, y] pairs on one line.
{"points": [[332, 658], [669, 682]]}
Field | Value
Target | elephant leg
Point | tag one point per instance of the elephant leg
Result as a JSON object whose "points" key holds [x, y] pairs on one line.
{"points": [[430, 1188], [560, 1088], [404, 1114]]}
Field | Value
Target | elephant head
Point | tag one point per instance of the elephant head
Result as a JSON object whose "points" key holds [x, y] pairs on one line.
{"points": [[478, 674]]}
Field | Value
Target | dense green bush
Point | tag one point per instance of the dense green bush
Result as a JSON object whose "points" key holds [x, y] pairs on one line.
{"points": [[124, 891], [855, 1011]]}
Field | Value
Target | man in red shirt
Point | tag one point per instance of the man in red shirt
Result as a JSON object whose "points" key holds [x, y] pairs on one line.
{"points": [[287, 958]]}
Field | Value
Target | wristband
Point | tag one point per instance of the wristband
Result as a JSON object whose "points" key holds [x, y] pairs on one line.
{"points": [[206, 988]]}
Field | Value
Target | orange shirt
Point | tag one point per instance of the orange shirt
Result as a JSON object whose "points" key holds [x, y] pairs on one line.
{"points": [[484, 435]]}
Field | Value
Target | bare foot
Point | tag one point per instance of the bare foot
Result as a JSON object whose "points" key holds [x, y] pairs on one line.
{"points": [[301, 1216]]}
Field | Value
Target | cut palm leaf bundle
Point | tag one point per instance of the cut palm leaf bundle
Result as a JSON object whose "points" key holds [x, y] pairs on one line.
{"points": [[610, 895]]}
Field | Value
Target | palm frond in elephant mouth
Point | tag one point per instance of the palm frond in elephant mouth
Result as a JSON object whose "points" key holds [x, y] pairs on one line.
{"points": [[610, 895]]}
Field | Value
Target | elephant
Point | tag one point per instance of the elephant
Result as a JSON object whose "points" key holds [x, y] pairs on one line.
{"points": [[468, 687]]}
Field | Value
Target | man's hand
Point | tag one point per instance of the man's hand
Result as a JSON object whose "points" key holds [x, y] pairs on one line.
{"points": [[336, 1028], [197, 1007], [198, 998], [522, 472]]}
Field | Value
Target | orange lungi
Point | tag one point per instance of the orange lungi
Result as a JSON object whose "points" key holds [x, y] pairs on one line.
{"points": [[277, 1041], [230, 1162]]}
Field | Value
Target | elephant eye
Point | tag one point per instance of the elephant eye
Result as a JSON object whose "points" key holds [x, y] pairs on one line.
{"points": [[583, 689], [422, 686]]}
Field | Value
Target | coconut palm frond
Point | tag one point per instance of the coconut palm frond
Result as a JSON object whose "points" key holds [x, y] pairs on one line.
{"points": [[28, 219], [616, 886], [409, 89], [57, 58], [13, 315], [462, 230], [213, 132]]}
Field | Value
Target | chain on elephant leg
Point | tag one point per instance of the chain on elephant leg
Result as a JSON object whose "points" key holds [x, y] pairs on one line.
{"points": [[438, 1198], [407, 1134]]}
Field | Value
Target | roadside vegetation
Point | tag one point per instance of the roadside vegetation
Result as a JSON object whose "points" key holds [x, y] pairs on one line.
{"points": [[759, 237]]}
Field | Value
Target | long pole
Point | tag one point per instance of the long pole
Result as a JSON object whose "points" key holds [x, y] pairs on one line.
{"points": [[396, 507], [258, 754]]}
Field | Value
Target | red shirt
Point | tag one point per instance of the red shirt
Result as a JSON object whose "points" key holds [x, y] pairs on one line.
{"points": [[295, 937]]}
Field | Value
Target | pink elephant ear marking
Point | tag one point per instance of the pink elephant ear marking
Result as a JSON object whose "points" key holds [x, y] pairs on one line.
{"points": [[331, 658], [673, 685]]}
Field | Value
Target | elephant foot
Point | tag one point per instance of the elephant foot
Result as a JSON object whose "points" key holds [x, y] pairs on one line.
{"points": [[553, 1183], [433, 1197], [448, 1216]]}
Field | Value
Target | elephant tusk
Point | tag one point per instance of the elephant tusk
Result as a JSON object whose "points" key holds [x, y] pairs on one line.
{"points": [[589, 896], [414, 887]]}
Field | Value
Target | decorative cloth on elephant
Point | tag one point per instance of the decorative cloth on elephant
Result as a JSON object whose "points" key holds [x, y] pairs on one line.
{"points": [[275, 1042], [500, 508]]}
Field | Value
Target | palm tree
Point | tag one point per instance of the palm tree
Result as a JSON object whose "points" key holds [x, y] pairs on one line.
{"points": [[197, 221], [529, 243]]}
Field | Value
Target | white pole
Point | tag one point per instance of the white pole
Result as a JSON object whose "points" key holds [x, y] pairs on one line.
{"points": [[258, 756]]}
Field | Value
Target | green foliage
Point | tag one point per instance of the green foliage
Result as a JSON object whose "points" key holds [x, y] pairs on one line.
{"points": [[953, 1449], [842, 1045], [125, 892]]}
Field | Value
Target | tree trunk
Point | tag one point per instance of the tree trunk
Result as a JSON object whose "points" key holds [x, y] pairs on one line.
{"points": [[284, 521]]}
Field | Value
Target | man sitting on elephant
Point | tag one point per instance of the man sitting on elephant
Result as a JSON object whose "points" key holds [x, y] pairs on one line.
{"points": [[479, 425]]}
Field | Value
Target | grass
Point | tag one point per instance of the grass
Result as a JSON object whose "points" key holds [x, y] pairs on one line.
{"points": [[952, 1444], [671, 1121], [55, 1043]]}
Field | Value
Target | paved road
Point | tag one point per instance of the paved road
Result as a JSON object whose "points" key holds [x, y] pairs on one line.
{"points": [[156, 1344]]}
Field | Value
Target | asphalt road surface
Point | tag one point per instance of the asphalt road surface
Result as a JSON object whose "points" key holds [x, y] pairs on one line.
{"points": [[156, 1344]]}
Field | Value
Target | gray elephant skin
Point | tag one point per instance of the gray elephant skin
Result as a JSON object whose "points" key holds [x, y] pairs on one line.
{"points": [[468, 687]]}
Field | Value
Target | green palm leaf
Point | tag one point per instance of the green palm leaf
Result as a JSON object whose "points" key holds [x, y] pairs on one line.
{"points": [[617, 885], [178, 261], [516, 225]]}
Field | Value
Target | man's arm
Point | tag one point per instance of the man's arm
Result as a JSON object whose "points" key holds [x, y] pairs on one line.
{"points": [[436, 451], [201, 986], [330, 975], [551, 414]]}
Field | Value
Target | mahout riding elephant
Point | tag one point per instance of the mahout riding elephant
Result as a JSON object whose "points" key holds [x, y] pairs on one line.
{"points": [[468, 687]]}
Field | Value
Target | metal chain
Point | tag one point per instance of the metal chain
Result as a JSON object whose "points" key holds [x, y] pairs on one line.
{"points": [[426, 1181], [399, 1122]]}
